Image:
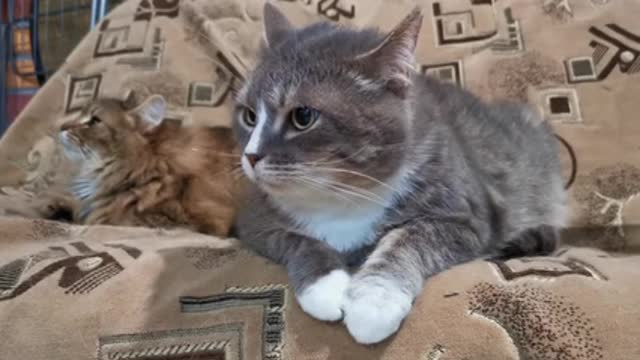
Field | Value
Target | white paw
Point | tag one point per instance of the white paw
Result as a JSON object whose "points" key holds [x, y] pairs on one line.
{"points": [[373, 312], [324, 298]]}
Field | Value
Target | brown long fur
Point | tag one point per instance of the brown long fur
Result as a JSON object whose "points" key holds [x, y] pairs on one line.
{"points": [[135, 168]]}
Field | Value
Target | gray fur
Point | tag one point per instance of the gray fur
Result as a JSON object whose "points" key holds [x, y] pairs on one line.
{"points": [[457, 179]]}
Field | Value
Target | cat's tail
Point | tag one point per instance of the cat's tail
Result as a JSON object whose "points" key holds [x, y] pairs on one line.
{"points": [[537, 241]]}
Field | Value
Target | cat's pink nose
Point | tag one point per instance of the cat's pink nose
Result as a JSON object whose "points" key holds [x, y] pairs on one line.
{"points": [[253, 159]]}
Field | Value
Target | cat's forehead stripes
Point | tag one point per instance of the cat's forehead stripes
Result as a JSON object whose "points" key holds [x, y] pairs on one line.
{"points": [[364, 83], [279, 93], [275, 96]]}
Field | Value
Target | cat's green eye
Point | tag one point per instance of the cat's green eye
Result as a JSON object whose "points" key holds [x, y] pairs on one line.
{"points": [[93, 120], [248, 117], [303, 117]]}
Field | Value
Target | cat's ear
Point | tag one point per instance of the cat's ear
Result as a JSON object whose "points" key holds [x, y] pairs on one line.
{"points": [[152, 111], [394, 59], [276, 25], [127, 100]]}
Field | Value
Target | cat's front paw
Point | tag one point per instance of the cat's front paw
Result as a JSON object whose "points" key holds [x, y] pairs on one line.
{"points": [[324, 298], [374, 310]]}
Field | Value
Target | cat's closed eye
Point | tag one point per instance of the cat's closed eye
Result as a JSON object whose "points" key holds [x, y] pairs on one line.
{"points": [[94, 120], [303, 117]]}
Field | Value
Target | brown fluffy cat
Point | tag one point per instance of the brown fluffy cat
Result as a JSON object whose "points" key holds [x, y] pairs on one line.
{"points": [[135, 168]]}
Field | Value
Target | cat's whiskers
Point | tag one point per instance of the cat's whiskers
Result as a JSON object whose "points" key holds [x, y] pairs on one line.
{"points": [[337, 186], [323, 189], [298, 172], [359, 174], [324, 161], [354, 188], [279, 171], [409, 193], [217, 153], [237, 172], [355, 153]]}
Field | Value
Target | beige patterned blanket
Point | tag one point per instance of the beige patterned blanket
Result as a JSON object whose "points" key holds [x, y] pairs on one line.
{"points": [[75, 292]]}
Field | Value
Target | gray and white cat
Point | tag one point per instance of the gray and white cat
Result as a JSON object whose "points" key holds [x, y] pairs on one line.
{"points": [[369, 178]]}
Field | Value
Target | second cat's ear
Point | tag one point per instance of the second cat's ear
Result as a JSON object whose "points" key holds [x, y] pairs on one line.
{"points": [[276, 25], [128, 100], [394, 59], [152, 111]]}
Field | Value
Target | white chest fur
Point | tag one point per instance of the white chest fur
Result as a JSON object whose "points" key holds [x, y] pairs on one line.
{"points": [[342, 231], [344, 226]]}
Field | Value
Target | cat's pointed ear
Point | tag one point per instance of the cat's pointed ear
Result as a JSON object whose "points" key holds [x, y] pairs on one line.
{"points": [[152, 111], [276, 25], [394, 59], [127, 100]]}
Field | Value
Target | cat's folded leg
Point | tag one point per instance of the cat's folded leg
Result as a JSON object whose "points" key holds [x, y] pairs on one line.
{"points": [[324, 298], [318, 276], [381, 293], [316, 271]]}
